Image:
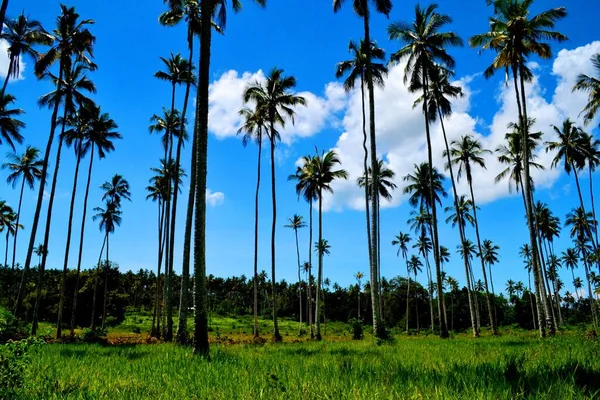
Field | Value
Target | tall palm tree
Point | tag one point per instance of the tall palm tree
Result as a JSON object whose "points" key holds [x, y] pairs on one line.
{"points": [[278, 104], [98, 138], [415, 266], [590, 84], [253, 128], [27, 168], [10, 126], [424, 246], [466, 153], [515, 35], [297, 222], [425, 46], [321, 248], [402, 240], [322, 173], [72, 40], [21, 35], [208, 10], [357, 69], [362, 9], [592, 159]]}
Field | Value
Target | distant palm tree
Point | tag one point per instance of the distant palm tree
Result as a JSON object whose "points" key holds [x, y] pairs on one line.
{"points": [[590, 84], [10, 126], [591, 148], [359, 275], [402, 240], [277, 103], [414, 267], [297, 222], [21, 35], [254, 128], [424, 246], [570, 260], [8, 220], [27, 168]]}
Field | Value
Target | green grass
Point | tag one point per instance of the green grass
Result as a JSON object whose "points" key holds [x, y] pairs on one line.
{"points": [[506, 367]]}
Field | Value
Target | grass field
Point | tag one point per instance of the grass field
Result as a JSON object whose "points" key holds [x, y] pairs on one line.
{"points": [[410, 367]]}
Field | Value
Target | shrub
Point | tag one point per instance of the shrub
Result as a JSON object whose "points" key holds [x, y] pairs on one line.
{"points": [[357, 328], [97, 335], [11, 328], [13, 361]]}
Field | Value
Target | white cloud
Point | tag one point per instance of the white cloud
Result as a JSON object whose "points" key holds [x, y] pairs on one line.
{"points": [[214, 198], [4, 61], [226, 100]]}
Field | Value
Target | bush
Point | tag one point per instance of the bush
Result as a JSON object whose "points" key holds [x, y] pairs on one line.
{"points": [[111, 321], [11, 328], [356, 328], [13, 361], [97, 335]]}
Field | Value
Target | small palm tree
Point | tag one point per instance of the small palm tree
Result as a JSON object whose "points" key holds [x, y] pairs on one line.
{"points": [[570, 260], [359, 276], [402, 240], [415, 266], [590, 84], [178, 72], [297, 222]]}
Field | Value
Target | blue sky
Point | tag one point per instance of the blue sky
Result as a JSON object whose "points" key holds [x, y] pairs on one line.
{"points": [[306, 42]]}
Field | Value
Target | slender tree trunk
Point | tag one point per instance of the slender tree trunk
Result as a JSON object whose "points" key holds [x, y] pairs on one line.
{"points": [[14, 254], [485, 280], [545, 274], [38, 297], [308, 292], [3, 12], [256, 195], [417, 311], [38, 207], [435, 241], [365, 165], [320, 271], [587, 227], [93, 321], [81, 237], [276, 335], [531, 301], [461, 226], [592, 200], [575, 287], [9, 72], [157, 306], [359, 288], [430, 292], [378, 329], [299, 282], [408, 303], [63, 286], [106, 272], [493, 294], [590, 293]]}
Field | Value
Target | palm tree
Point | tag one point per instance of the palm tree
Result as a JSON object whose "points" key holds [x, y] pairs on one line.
{"points": [[361, 8], [424, 47], [514, 36], [277, 103], [116, 189], [321, 248], [297, 222], [466, 153], [254, 127], [424, 246], [357, 68], [177, 73], [402, 240], [590, 84], [27, 168], [7, 221], [414, 265], [592, 159], [552, 274], [570, 260], [72, 39], [10, 126], [98, 138], [359, 275], [21, 35]]}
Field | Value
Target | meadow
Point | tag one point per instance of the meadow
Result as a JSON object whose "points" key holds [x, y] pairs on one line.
{"points": [[511, 366]]}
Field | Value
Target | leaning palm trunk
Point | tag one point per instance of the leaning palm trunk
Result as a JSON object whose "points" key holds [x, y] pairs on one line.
{"points": [[3, 8], [299, 282], [81, 236], [38, 296], [156, 320], [378, 329], [14, 254], [543, 265], [587, 227], [63, 285], [320, 270], [365, 165], [461, 226], [38, 207], [308, 290], [8, 74], [590, 293], [592, 200], [105, 299], [407, 302], [276, 335], [99, 265], [255, 283]]}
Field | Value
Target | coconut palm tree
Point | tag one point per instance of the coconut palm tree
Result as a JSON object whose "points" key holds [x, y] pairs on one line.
{"points": [[466, 153], [98, 138], [359, 276], [71, 93], [10, 126], [321, 248], [297, 222], [424, 47], [424, 246], [177, 73], [362, 9], [515, 35], [570, 260], [552, 274], [72, 40], [402, 240], [253, 129], [21, 35], [591, 84], [592, 158], [27, 168], [357, 69], [8, 220], [278, 104], [414, 266]]}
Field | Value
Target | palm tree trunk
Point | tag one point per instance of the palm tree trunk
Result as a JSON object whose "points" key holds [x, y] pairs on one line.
{"points": [[93, 321], [485, 280], [14, 254], [167, 290], [590, 293], [587, 228], [378, 330], [256, 195], [430, 292], [407, 302], [308, 292], [299, 282], [276, 335], [543, 259], [200, 324], [541, 301], [592, 200], [8, 73], [42, 268], [81, 237], [365, 165], [3, 12], [358, 290], [320, 271], [575, 287], [38, 207], [63, 286], [155, 331], [381, 308], [493, 294], [6, 249], [106, 271], [435, 240], [417, 311], [461, 226]]}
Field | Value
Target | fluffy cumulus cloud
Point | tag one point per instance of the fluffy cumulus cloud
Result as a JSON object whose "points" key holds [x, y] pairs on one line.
{"points": [[226, 99], [4, 61], [214, 199], [401, 134]]}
